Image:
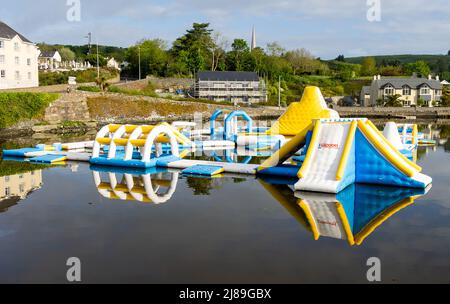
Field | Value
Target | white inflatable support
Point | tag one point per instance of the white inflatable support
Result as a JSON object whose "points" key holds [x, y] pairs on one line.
{"points": [[391, 133], [130, 191], [228, 167], [218, 143], [78, 145]]}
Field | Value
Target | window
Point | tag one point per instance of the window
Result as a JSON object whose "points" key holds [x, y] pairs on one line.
{"points": [[22, 188], [7, 179], [389, 90], [28, 61], [17, 60], [2, 73], [425, 90], [29, 75], [16, 46], [21, 176], [2, 44], [7, 191], [406, 90], [17, 75], [2, 58], [437, 92]]}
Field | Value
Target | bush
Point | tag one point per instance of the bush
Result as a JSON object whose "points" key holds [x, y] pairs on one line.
{"points": [[149, 91], [15, 107], [90, 75], [89, 88]]}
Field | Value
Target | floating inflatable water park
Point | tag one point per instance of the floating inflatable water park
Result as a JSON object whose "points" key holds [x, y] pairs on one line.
{"points": [[309, 147]]}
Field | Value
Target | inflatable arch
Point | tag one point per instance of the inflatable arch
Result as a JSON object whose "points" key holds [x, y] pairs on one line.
{"points": [[213, 120], [230, 130], [138, 143], [142, 188]]}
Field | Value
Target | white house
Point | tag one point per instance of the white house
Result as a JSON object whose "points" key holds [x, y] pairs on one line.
{"points": [[49, 60], [112, 63], [18, 60]]}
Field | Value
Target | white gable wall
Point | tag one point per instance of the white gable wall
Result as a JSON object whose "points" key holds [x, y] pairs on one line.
{"points": [[21, 72]]}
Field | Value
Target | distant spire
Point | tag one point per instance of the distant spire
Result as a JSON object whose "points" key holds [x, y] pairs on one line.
{"points": [[253, 45]]}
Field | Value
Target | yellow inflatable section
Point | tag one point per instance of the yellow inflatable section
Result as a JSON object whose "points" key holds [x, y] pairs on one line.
{"points": [[299, 115]]}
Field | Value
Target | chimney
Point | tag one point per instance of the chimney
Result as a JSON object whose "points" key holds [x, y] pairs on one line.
{"points": [[429, 77], [437, 78], [375, 77], [379, 77]]}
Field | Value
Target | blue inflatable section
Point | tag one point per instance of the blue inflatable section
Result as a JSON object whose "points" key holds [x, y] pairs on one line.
{"points": [[282, 171], [373, 168], [120, 162], [124, 170], [370, 201], [350, 172], [202, 170], [20, 152]]}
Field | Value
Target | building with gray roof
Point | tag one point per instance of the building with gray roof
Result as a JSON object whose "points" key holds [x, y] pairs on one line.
{"points": [[413, 91], [236, 87]]}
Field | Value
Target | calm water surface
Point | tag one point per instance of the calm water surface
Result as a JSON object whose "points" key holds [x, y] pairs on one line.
{"points": [[225, 230]]}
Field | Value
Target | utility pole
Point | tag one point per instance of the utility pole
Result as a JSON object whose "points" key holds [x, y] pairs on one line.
{"points": [[139, 55], [279, 92], [89, 37], [98, 64]]}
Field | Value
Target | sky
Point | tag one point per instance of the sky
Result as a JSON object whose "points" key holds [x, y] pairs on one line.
{"points": [[327, 28]]}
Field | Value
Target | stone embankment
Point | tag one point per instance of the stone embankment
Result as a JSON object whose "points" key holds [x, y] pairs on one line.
{"points": [[395, 113]]}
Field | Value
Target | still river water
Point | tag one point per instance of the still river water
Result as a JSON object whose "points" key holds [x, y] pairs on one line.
{"points": [[226, 230]]}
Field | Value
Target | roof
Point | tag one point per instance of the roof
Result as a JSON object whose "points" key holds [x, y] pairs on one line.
{"points": [[412, 82], [366, 90], [8, 33], [228, 76], [47, 54]]}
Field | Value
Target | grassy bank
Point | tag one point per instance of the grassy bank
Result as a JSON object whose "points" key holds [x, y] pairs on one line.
{"points": [[114, 107], [15, 107], [90, 75]]}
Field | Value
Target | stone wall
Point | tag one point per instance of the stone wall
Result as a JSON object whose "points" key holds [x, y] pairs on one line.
{"points": [[394, 112], [69, 107]]}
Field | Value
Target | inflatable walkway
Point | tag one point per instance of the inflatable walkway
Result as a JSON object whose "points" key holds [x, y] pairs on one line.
{"points": [[299, 115], [346, 151]]}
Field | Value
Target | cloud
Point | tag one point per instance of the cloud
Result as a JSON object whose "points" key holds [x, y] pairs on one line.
{"points": [[326, 27]]}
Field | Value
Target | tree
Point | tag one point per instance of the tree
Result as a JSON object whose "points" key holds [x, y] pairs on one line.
{"points": [[368, 66], [153, 55], [239, 58], [445, 99], [275, 49], [303, 62], [66, 54], [92, 59], [393, 101], [102, 83], [218, 52], [420, 68], [193, 49], [442, 66], [340, 58]]}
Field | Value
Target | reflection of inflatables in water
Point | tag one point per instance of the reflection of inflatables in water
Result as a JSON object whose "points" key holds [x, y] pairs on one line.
{"points": [[136, 185], [351, 215]]}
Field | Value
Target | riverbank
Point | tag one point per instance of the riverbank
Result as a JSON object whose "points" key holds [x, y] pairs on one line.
{"points": [[81, 112]]}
